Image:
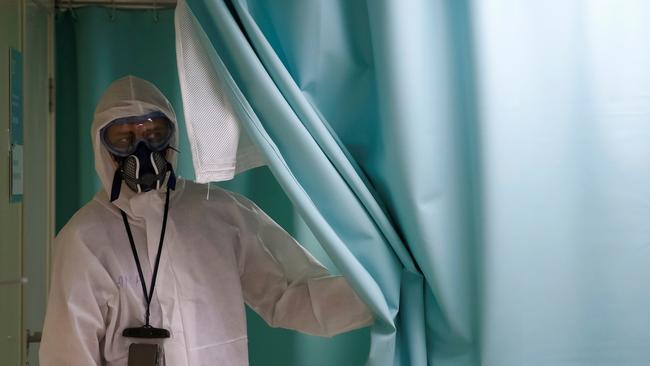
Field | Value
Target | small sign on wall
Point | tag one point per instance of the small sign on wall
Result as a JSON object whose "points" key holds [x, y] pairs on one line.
{"points": [[16, 123]]}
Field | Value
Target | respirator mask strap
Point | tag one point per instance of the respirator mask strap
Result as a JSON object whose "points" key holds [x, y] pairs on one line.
{"points": [[171, 181], [117, 184]]}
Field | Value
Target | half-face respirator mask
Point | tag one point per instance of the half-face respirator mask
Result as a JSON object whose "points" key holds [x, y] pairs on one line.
{"points": [[139, 145]]}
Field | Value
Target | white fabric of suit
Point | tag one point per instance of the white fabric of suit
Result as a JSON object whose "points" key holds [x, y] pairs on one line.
{"points": [[218, 254]]}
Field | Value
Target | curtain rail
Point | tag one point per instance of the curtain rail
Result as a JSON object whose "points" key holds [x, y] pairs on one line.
{"points": [[118, 4]]}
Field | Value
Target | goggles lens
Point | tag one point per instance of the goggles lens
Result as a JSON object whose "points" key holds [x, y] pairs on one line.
{"points": [[122, 136]]}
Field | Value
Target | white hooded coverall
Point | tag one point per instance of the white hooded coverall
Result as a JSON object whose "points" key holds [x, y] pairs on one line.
{"points": [[218, 254]]}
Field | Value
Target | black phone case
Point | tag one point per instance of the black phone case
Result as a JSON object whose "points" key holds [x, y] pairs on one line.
{"points": [[141, 354]]}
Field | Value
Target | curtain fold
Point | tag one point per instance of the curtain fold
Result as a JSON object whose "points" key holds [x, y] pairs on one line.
{"points": [[331, 207]]}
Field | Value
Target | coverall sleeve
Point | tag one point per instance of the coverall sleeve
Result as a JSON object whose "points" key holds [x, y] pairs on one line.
{"points": [[77, 305], [286, 285]]}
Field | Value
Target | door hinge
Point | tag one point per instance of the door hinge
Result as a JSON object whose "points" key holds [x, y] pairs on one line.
{"points": [[31, 337]]}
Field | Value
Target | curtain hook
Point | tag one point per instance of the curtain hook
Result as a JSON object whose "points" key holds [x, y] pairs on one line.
{"points": [[111, 16], [155, 11], [73, 12]]}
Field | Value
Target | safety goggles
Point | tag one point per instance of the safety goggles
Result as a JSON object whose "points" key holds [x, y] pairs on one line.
{"points": [[122, 136]]}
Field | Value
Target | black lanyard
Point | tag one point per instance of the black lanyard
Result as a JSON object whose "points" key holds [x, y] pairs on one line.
{"points": [[148, 296]]}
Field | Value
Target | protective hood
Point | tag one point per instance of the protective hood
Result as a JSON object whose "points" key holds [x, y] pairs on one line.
{"points": [[126, 97]]}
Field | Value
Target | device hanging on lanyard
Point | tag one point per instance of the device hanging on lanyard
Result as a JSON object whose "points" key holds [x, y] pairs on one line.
{"points": [[147, 331], [146, 354]]}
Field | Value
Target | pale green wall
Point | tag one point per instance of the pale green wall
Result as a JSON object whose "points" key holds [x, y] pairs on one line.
{"points": [[10, 214], [25, 227]]}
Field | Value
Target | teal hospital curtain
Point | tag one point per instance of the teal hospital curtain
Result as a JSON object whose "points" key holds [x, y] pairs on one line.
{"points": [[477, 169], [95, 46]]}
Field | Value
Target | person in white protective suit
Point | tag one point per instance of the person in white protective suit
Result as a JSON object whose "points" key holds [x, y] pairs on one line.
{"points": [[212, 257]]}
